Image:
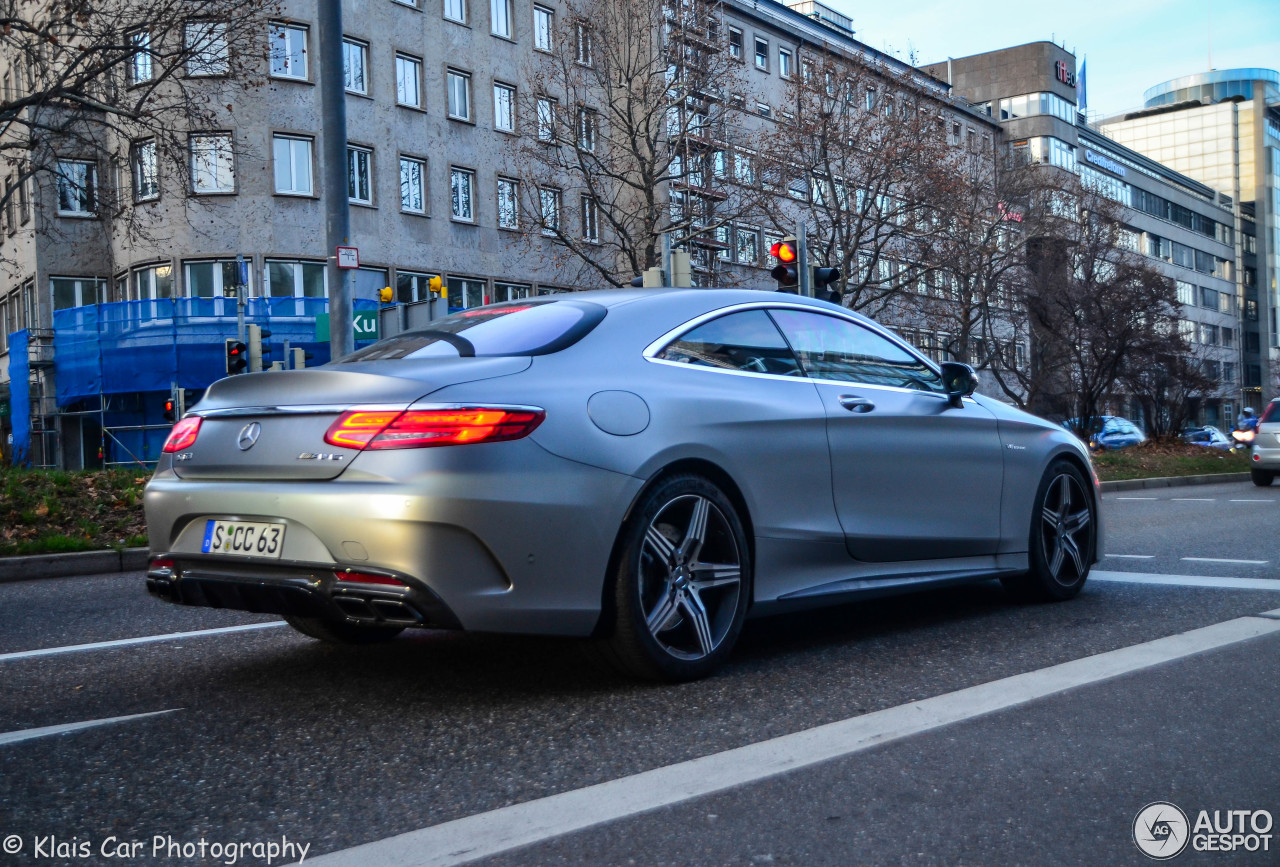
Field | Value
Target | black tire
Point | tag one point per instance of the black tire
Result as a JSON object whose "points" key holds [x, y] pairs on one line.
{"points": [[696, 606], [1262, 478], [341, 632], [1063, 537]]}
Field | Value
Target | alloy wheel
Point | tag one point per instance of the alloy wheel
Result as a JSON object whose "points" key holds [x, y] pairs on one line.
{"points": [[1067, 529]]}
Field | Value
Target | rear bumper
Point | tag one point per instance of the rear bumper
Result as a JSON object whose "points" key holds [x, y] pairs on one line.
{"points": [[298, 589], [1265, 458]]}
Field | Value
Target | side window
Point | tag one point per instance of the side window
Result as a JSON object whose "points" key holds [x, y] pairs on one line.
{"points": [[747, 341], [833, 348]]}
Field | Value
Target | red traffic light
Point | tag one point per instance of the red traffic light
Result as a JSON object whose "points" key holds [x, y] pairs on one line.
{"points": [[783, 251]]}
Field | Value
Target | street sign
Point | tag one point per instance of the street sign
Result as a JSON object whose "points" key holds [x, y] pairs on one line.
{"points": [[242, 271], [348, 258], [363, 322]]}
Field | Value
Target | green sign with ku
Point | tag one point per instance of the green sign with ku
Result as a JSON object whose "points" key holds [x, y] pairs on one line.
{"points": [[364, 323]]}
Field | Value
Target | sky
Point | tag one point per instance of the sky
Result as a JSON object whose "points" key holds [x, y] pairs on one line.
{"points": [[1129, 45]]}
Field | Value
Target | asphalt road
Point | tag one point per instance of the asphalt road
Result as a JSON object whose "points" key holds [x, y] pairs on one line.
{"points": [[271, 735]]}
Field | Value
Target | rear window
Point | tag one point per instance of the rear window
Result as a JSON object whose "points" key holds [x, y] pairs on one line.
{"points": [[1271, 413], [514, 328]]}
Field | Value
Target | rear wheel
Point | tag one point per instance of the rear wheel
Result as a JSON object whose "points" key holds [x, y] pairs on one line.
{"points": [[341, 632], [1063, 537], [682, 584], [1262, 478]]}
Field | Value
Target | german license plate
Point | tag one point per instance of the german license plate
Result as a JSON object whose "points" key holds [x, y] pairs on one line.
{"points": [[257, 539]]}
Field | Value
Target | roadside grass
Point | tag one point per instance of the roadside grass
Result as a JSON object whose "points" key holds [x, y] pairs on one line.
{"points": [[50, 511], [1159, 459]]}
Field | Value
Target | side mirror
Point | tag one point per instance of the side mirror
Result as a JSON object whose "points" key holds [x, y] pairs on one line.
{"points": [[959, 380]]}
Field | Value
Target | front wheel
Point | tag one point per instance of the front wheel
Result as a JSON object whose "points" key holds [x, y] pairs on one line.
{"points": [[1063, 537], [1262, 478], [682, 583], [341, 632]]}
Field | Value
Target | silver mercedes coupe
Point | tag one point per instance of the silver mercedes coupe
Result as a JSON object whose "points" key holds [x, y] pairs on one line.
{"points": [[644, 469]]}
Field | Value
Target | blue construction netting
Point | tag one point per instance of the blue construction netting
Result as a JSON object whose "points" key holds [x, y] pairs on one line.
{"points": [[20, 398], [149, 346]]}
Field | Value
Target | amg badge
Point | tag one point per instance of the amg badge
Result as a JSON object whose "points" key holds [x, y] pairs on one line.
{"points": [[310, 456]]}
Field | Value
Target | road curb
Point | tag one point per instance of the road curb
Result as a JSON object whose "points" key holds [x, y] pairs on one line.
{"points": [[1172, 481], [36, 566]]}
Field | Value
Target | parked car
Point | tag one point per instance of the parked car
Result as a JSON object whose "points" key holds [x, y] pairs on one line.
{"points": [[1108, 432], [1265, 454], [1208, 436], [644, 468]]}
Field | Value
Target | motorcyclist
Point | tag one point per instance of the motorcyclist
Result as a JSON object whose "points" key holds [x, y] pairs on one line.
{"points": [[1247, 420]]}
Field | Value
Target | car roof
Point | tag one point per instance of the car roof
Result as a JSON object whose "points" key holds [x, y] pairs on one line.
{"points": [[711, 297]]}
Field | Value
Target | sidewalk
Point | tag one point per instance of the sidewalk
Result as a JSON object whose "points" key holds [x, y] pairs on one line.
{"points": [[135, 559]]}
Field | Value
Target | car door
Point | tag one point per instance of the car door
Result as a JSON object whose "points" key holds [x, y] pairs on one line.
{"points": [[914, 478]]}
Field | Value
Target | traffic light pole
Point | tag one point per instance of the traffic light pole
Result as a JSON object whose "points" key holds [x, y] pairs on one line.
{"points": [[802, 260], [333, 119]]}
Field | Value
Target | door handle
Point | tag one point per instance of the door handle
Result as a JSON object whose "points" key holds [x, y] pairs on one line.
{"points": [[853, 403]]}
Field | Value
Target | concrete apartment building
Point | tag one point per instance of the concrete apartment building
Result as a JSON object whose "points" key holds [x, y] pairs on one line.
{"points": [[430, 93], [1223, 128], [1184, 225]]}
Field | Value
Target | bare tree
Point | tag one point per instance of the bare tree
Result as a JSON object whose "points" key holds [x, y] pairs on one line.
{"points": [[621, 125], [119, 85], [864, 152], [1172, 384]]}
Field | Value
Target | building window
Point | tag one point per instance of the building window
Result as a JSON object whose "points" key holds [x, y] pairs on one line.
{"points": [[77, 188], [500, 18], [207, 49], [289, 51], [590, 220], [582, 44], [360, 175], [748, 246], [784, 63], [549, 206], [211, 279], [353, 66], [461, 185], [542, 23], [762, 54], [412, 287], [504, 107], [293, 165], [412, 4], [763, 109], [212, 166], [413, 185], [466, 293], [140, 68], [152, 284], [459, 84], [546, 119], [77, 291], [587, 119], [735, 43], [146, 176], [510, 291], [456, 10], [744, 168], [508, 204], [408, 81], [288, 279]]}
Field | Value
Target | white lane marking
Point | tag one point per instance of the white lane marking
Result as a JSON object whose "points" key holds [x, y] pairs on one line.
{"points": [[1223, 560], [45, 731], [507, 828], [1193, 499], [1251, 501], [1137, 498], [125, 642], [1133, 556], [1187, 580]]}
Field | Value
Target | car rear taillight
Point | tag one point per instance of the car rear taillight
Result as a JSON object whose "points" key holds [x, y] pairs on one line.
{"points": [[422, 428], [183, 435]]}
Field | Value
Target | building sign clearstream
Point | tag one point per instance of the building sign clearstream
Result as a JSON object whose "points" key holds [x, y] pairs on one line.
{"points": [[364, 323]]}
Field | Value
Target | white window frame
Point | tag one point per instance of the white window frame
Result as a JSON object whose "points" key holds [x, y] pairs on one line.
{"points": [[760, 40], [141, 64], [544, 23], [588, 124], [292, 39], [740, 46], [408, 72], [550, 209], [359, 175], [546, 111], [214, 58], [501, 13], [590, 218], [508, 203], [583, 54], [219, 287], [97, 286], [300, 153], [407, 185], [297, 290], [88, 188], [785, 66], [455, 78], [145, 171], [219, 148], [455, 10], [460, 178], [504, 107], [355, 66]]}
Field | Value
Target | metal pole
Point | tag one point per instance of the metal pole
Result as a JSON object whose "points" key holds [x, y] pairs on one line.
{"points": [[333, 119], [666, 259], [802, 260]]}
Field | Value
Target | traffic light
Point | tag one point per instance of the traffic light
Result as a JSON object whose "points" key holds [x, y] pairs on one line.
{"points": [[170, 410], [385, 294], [237, 356], [175, 405], [256, 350], [822, 280], [785, 272]]}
